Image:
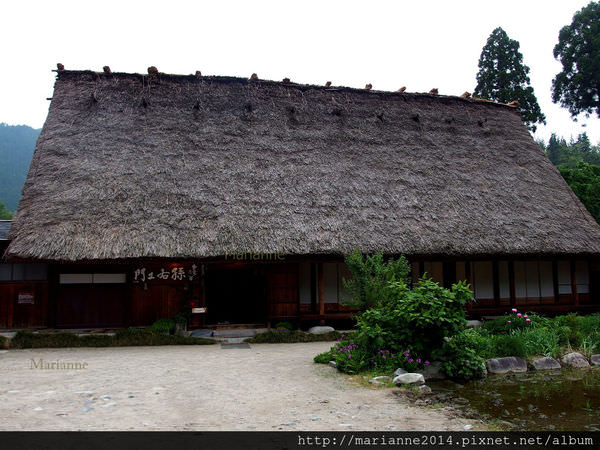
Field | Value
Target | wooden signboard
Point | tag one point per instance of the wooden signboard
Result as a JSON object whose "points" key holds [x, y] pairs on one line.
{"points": [[25, 298]]}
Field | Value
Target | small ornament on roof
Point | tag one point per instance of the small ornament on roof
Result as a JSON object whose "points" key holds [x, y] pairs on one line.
{"points": [[254, 77], [466, 94], [60, 67], [286, 81], [402, 89], [106, 69], [514, 103], [434, 91], [198, 74], [328, 84], [368, 87], [152, 70]]}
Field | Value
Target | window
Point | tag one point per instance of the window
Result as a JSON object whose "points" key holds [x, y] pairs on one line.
{"points": [[564, 277], [92, 278], [483, 279], [23, 272]]}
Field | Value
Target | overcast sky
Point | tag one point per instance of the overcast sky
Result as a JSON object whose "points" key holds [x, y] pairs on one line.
{"points": [[390, 44]]}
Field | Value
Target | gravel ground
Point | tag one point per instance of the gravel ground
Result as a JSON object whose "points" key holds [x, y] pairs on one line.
{"points": [[267, 387]]}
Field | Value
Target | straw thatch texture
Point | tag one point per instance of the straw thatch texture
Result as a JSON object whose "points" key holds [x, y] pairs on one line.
{"points": [[132, 166]]}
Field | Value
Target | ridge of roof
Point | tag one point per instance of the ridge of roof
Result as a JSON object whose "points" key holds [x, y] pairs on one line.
{"points": [[285, 83]]}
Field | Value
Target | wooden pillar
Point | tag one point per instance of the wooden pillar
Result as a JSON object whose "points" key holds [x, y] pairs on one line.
{"points": [[555, 280], [511, 282], [574, 294], [321, 289]]}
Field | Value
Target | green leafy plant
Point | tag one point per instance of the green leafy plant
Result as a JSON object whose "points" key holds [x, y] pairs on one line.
{"points": [[275, 337], [462, 354], [417, 318], [122, 338], [165, 326], [371, 277]]}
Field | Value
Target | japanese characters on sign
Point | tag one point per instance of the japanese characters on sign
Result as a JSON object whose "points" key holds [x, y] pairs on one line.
{"points": [[26, 298], [142, 274]]}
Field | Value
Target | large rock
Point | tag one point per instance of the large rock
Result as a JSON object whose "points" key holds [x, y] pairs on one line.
{"points": [[474, 324], [320, 330], [433, 372], [409, 378], [399, 371], [595, 360], [505, 365], [545, 363], [575, 359]]}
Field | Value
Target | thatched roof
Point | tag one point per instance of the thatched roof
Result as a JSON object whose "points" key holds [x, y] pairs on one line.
{"points": [[4, 227], [132, 166]]}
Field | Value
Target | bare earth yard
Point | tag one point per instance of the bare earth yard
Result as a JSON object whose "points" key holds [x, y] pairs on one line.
{"points": [[268, 387]]}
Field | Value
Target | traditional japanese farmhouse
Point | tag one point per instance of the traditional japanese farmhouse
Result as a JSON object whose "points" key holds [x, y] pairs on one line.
{"points": [[243, 196]]}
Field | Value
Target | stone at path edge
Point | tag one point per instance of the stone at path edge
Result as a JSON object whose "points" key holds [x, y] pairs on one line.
{"points": [[575, 359], [545, 363], [320, 330], [409, 378], [505, 365]]}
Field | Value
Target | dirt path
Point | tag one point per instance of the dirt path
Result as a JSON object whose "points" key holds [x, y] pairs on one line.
{"points": [[268, 387]]}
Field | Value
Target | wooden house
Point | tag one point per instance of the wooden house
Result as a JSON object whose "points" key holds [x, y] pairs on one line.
{"points": [[243, 196]]}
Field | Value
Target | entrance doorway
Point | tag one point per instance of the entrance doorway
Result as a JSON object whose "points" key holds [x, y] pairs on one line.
{"points": [[235, 295]]}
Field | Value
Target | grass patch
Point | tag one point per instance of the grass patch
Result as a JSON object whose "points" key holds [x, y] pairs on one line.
{"points": [[122, 338], [3, 342], [287, 337]]}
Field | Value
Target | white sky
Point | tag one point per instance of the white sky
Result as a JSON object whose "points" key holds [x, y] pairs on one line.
{"points": [[387, 43]]}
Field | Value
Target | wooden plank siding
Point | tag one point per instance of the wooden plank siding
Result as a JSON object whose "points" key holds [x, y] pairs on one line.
{"points": [[15, 315]]}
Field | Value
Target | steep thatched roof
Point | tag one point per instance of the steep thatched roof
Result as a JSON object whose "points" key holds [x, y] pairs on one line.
{"points": [[131, 166]]}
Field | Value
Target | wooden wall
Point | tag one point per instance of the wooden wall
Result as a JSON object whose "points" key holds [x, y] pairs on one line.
{"points": [[282, 291], [15, 315]]}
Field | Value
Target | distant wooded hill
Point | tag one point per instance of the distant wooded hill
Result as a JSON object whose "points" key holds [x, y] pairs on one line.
{"points": [[16, 149]]}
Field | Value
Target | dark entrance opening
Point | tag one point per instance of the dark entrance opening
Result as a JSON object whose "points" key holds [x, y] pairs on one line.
{"points": [[235, 294]]}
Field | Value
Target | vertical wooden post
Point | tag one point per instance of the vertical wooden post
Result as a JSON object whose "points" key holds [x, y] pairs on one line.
{"points": [[574, 294], [555, 280], [511, 282], [321, 287]]}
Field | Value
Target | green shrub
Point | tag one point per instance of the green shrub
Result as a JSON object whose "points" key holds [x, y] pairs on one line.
{"points": [[371, 277], [463, 354], [284, 326], [277, 337], [323, 358], [28, 339], [122, 338], [165, 326], [417, 319], [507, 345], [3, 342]]}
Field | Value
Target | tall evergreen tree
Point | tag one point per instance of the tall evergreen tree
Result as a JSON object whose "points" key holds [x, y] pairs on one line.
{"points": [[5, 214], [577, 87], [503, 77]]}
